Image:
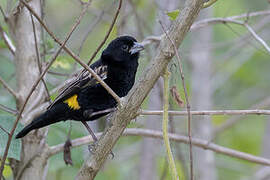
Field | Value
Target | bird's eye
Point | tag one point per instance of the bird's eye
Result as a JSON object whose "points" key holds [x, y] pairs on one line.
{"points": [[125, 47]]}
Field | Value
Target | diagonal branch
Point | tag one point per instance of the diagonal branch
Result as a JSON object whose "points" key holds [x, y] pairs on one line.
{"points": [[7, 109], [38, 57], [74, 56], [173, 137], [108, 33], [10, 90], [257, 37], [7, 41], [35, 85], [207, 22], [138, 93]]}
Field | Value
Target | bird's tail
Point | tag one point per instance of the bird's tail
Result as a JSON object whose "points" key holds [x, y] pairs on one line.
{"points": [[53, 115]]}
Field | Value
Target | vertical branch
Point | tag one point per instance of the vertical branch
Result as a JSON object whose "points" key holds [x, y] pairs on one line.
{"points": [[187, 100], [38, 56], [108, 33], [165, 125]]}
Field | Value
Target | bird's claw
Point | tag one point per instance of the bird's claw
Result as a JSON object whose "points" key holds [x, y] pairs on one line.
{"points": [[92, 147], [112, 154]]}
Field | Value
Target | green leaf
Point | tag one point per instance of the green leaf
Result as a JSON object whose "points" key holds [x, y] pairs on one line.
{"points": [[173, 14], [15, 147]]}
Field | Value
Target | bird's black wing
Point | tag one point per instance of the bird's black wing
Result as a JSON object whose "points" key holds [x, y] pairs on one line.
{"points": [[80, 81]]}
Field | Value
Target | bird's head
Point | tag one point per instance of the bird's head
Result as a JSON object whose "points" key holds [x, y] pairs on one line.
{"points": [[124, 50]]}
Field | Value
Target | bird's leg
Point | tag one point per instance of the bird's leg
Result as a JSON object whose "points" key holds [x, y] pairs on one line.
{"points": [[90, 131], [99, 112], [88, 114], [91, 146]]}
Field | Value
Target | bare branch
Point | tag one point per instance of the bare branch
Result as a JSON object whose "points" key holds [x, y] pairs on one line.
{"points": [[108, 33], [3, 13], [10, 90], [173, 137], [257, 37], [74, 56], [209, 3], [7, 109], [230, 122], [209, 112], [7, 41], [36, 83], [38, 57], [3, 129], [209, 21]]}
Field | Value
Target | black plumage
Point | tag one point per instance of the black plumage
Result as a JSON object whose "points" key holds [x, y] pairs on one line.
{"points": [[83, 95]]}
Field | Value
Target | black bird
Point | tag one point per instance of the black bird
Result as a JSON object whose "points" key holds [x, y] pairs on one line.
{"points": [[83, 98]]}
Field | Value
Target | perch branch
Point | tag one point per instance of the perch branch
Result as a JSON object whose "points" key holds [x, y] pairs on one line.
{"points": [[204, 144]]}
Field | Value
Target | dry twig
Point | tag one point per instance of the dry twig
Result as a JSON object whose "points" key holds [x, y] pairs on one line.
{"points": [[173, 137]]}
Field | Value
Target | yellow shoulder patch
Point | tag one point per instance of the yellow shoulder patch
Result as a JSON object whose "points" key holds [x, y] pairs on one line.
{"points": [[73, 102]]}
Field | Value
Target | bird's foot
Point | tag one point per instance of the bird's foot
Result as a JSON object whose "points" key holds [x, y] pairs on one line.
{"points": [[112, 154], [92, 147]]}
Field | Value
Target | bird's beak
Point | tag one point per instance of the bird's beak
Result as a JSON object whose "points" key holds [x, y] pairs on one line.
{"points": [[137, 47]]}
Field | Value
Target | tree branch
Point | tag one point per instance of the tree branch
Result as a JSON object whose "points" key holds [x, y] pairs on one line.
{"points": [[209, 21], [209, 112], [74, 56], [108, 33], [7, 109], [10, 90], [7, 41], [132, 102], [173, 137]]}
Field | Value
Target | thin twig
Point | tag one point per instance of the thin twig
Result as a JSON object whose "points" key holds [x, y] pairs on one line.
{"points": [[7, 109], [208, 21], [3, 13], [74, 56], [187, 100], [108, 33], [90, 29], [208, 112], [174, 137], [232, 121], [36, 83], [38, 57], [209, 3], [10, 90], [257, 37], [7, 41], [4, 130]]}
